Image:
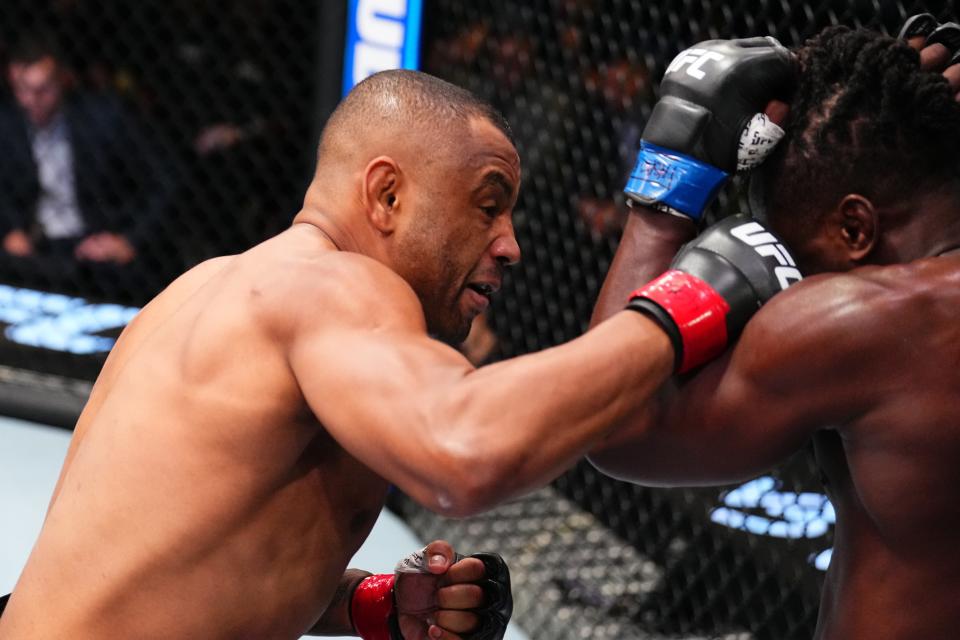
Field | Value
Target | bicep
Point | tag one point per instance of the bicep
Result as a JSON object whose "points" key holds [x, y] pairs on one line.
{"points": [[796, 368], [377, 389], [715, 427]]}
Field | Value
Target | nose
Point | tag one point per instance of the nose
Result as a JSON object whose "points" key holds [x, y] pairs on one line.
{"points": [[505, 248]]}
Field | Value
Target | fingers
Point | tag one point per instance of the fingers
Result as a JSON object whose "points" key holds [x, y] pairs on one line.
{"points": [[916, 29], [777, 111], [938, 44], [457, 621], [952, 74], [947, 34], [439, 633], [439, 555], [934, 57], [917, 42], [460, 596], [467, 570], [924, 33]]}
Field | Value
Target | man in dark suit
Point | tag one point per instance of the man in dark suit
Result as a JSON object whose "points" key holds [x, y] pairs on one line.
{"points": [[78, 179]]}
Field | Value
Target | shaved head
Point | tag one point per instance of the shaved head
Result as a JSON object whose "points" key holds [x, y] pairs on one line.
{"points": [[415, 106], [423, 176]]}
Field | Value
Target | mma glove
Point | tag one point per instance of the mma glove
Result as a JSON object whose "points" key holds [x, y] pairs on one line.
{"points": [[708, 122], [927, 26], [715, 284], [373, 605]]}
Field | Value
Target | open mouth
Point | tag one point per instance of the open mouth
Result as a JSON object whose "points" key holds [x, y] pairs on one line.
{"points": [[484, 289]]}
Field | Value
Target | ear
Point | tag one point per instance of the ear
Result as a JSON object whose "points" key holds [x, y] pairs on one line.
{"points": [[859, 226], [381, 186]]}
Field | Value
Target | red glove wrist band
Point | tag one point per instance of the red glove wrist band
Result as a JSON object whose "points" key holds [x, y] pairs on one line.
{"points": [[372, 606], [699, 312]]}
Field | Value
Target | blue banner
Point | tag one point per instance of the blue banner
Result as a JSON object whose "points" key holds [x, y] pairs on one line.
{"points": [[381, 34]]}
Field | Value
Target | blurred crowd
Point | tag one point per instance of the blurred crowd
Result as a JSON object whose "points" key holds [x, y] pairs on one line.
{"points": [[142, 137], [576, 98]]}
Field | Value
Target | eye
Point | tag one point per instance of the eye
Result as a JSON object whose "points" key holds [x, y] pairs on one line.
{"points": [[491, 210]]}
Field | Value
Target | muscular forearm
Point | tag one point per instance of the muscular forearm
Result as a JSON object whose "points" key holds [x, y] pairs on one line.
{"points": [[650, 240], [516, 425], [335, 620]]}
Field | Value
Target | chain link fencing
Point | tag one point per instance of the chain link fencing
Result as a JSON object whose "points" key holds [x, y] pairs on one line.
{"points": [[595, 557], [191, 127], [169, 132]]}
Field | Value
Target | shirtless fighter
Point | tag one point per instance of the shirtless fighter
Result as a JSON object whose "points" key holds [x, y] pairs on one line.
{"points": [[239, 442], [865, 362]]}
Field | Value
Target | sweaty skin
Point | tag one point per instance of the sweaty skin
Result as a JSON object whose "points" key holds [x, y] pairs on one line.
{"points": [[865, 363], [239, 442], [198, 498]]}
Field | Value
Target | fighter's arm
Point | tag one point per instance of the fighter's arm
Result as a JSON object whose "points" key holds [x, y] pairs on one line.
{"points": [[335, 620], [649, 242], [455, 438], [817, 355]]}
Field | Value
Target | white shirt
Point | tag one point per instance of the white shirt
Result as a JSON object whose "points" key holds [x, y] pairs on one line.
{"points": [[58, 211]]}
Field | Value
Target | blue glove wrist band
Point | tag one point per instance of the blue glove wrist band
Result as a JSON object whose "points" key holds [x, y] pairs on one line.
{"points": [[668, 178]]}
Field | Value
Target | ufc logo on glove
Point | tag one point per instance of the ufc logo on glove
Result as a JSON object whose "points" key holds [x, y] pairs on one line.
{"points": [[695, 58], [765, 244]]}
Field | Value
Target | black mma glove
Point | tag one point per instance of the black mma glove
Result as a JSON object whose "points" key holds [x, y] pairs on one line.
{"points": [[498, 605], [926, 25], [716, 283], [707, 124]]}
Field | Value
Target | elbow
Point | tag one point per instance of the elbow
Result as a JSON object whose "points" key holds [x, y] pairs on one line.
{"points": [[601, 462], [458, 503], [474, 480], [472, 489]]}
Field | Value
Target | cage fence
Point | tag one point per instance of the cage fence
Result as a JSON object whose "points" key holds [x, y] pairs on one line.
{"points": [[192, 126]]}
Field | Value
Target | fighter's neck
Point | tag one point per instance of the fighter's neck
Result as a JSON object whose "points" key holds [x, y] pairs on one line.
{"points": [[340, 235]]}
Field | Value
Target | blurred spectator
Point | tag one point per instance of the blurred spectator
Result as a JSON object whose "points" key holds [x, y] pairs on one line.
{"points": [[615, 90], [240, 110], [77, 176]]}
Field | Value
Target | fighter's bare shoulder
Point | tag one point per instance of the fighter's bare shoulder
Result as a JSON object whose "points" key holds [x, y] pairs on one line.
{"points": [[864, 310], [334, 288]]}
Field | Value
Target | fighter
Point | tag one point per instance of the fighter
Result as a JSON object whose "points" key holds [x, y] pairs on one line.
{"points": [[239, 442], [862, 359]]}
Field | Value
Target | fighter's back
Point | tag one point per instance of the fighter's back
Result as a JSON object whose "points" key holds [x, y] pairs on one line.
{"points": [[197, 454], [892, 462]]}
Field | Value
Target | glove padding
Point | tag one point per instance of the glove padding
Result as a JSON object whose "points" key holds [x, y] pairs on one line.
{"points": [[711, 95], [715, 285], [495, 613]]}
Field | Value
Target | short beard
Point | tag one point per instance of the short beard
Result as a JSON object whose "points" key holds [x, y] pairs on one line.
{"points": [[451, 339], [421, 248]]}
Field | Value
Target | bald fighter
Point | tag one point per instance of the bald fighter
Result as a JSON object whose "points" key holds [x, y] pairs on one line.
{"points": [[238, 444], [865, 188]]}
